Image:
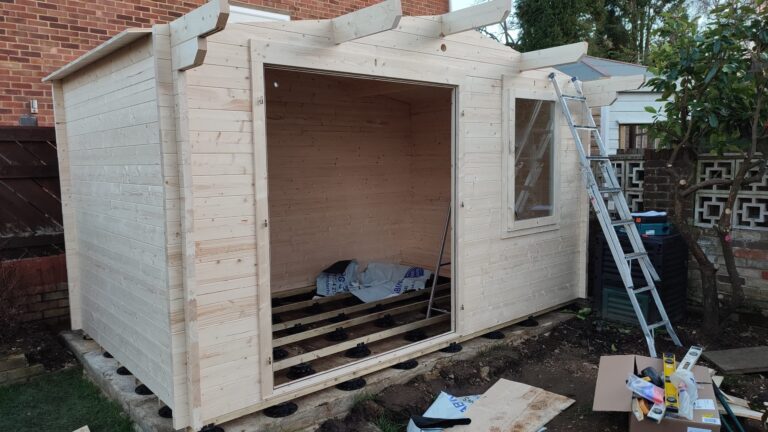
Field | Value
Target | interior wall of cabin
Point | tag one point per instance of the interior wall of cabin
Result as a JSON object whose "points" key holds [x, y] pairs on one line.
{"points": [[357, 169]]}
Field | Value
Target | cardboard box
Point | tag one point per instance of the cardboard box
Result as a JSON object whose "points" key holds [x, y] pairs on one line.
{"points": [[612, 394]]}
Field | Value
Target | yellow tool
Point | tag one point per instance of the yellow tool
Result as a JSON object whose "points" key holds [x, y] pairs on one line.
{"points": [[670, 391]]}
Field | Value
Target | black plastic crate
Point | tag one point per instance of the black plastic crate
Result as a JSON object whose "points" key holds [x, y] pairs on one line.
{"points": [[669, 256]]}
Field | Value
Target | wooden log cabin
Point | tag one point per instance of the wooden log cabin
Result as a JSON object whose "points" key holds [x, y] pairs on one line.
{"points": [[210, 172]]}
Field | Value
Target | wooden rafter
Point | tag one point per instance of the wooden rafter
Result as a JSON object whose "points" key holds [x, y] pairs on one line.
{"points": [[189, 31], [554, 56], [367, 21], [488, 13]]}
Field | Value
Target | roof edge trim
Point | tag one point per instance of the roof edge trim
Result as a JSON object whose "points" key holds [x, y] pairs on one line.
{"points": [[118, 41]]}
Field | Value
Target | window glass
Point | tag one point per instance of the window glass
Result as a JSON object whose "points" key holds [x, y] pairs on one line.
{"points": [[534, 157], [635, 137]]}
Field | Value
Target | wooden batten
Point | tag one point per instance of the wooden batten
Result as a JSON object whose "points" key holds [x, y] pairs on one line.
{"points": [[68, 208]]}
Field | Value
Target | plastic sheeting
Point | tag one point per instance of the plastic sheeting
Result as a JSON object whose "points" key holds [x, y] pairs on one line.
{"points": [[445, 406]]}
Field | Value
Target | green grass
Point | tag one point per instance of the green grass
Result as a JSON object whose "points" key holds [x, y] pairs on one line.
{"points": [[387, 425], [362, 397], [59, 402]]}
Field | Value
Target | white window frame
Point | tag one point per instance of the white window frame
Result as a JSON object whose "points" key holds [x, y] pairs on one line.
{"points": [[244, 14], [512, 227]]}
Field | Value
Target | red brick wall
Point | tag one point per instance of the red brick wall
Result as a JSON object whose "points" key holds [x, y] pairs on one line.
{"points": [[41, 288], [38, 37]]}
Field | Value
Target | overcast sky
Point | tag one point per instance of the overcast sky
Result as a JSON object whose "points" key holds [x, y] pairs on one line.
{"points": [[461, 4]]}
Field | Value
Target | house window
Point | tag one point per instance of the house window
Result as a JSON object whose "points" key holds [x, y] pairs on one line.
{"points": [[635, 137], [534, 159]]}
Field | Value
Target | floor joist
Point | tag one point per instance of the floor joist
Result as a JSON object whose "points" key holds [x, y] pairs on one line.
{"points": [[343, 346], [351, 309], [351, 322]]}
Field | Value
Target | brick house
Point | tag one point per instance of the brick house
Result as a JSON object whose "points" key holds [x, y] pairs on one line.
{"points": [[38, 37]]}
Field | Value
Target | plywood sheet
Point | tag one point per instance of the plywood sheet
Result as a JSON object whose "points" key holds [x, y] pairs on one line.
{"points": [[513, 406], [740, 360]]}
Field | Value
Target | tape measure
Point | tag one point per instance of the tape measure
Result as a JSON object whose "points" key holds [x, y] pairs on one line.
{"points": [[670, 391]]}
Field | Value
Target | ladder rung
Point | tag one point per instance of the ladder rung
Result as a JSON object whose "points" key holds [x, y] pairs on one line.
{"points": [[445, 264], [657, 325], [643, 289], [610, 190], [574, 97], [622, 222], [585, 127], [598, 158], [440, 310], [635, 255]]}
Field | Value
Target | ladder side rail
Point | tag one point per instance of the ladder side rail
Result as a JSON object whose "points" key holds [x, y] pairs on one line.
{"points": [[617, 251], [439, 262], [591, 120]]}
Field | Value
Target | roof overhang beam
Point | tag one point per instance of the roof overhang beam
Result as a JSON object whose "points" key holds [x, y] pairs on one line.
{"points": [[554, 56], [188, 33], [367, 21], [484, 14]]}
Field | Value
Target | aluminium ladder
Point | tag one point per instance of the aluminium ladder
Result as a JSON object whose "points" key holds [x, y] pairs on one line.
{"points": [[610, 187]]}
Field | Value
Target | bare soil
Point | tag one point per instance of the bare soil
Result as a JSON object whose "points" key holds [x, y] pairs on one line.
{"points": [[41, 344], [563, 361]]}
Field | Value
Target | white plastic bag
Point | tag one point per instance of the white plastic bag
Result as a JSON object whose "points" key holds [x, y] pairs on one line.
{"points": [[687, 393]]}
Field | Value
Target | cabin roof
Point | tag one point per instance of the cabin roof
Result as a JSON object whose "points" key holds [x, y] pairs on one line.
{"points": [[118, 41]]}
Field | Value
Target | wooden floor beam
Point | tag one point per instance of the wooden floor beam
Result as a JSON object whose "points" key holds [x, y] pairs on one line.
{"points": [[343, 346], [352, 322], [355, 308]]}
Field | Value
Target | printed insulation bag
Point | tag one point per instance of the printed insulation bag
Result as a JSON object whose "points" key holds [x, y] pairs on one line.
{"points": [[445, 406], [382, 280], [336, 278]]}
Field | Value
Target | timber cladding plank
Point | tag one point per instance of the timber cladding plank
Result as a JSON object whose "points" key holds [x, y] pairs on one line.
{"points": [[740, 360]]}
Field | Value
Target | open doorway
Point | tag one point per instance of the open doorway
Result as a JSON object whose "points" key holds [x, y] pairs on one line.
{"points": [[360, 185]]}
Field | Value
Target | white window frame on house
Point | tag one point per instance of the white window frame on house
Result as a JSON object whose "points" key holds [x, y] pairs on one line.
{"points": [[243, 14], [624, 144], [512, 227]]}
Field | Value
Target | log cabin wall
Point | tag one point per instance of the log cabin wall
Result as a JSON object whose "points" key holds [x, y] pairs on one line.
{"points": [[114, 210], [430, 188]]}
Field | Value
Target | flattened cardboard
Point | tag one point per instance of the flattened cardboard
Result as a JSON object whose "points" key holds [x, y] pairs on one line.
{"points": [[513, 406], [611, 394]]}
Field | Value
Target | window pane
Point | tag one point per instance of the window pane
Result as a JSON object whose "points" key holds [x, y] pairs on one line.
{"points": [[534, 153]]}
